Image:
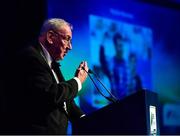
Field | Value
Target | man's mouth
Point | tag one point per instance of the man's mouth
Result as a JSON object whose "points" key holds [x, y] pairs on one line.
{"points": [[65, 53]]}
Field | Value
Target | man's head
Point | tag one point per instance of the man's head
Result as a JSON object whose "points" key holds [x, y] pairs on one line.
{"points": [[56, 36]]}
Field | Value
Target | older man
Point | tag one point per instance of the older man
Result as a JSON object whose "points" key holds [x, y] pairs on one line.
{"points": [[43, 101]]}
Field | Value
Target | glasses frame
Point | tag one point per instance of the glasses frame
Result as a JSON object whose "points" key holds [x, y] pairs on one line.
{"points": [[66, 38]]}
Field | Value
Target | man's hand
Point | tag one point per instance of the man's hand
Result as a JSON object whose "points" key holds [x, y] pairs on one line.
{"points": [[80, 73]]}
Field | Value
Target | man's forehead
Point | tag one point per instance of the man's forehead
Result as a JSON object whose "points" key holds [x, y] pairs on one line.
{"points": [[65, 29]]}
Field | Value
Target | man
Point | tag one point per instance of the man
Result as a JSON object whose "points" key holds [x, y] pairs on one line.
{"points": [[43, 101]]}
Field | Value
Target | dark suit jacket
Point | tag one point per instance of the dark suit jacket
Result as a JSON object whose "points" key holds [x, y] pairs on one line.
{"points": [[36, 100]]}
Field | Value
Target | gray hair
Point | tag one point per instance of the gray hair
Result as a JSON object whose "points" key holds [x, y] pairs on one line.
{"points": [[54, 24]]}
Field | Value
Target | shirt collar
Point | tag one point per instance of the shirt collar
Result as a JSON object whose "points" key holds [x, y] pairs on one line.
{"points": [[47, 55]]}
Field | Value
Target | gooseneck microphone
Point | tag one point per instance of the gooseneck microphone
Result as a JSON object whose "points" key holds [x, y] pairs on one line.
{"points": [[113, 99]]}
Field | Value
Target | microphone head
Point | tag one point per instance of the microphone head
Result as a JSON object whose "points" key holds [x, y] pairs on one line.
{"points": [[89, 71]]}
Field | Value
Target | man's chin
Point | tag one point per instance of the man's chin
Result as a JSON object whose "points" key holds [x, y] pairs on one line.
{"points": [[60, 58]]}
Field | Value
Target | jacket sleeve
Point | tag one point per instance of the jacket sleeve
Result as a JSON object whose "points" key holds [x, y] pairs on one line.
{"points": [[74, 111]]}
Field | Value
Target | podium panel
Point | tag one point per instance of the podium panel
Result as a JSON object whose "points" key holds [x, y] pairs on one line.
{"points": [[135, 114]]}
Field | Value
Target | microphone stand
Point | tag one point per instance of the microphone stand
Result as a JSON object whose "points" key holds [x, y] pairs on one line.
{"points": [[113, 99]]}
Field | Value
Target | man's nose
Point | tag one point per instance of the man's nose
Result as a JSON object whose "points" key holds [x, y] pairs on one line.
{"points": [[70, 46]]}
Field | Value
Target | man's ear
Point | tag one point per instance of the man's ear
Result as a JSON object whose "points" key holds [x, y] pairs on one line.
{"points": [[50, 36]]}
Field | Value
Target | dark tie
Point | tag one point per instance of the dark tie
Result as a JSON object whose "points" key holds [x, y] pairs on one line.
{"points": [[55, 66]]}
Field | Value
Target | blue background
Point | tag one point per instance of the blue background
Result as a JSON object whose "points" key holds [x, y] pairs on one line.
{"points": [[161, 18]]}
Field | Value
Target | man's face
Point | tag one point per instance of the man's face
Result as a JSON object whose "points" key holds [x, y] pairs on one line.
{"points": [[61, 43]]}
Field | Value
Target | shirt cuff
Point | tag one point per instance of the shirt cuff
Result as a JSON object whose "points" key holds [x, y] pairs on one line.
{"points": [[79, 83], [82, 115]]}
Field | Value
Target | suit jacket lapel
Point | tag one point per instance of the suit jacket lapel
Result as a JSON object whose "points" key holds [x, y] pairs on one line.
{"points": [[60, 75], [41, 55], [42, 58]]}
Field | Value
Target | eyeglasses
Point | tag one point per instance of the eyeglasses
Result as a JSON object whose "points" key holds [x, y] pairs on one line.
{"points": [[66, 38]]}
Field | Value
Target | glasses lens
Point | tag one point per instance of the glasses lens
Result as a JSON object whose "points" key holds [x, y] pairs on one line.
{"points": [[66, 38]]}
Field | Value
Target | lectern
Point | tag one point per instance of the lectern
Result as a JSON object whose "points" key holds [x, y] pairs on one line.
{"points": [[136, 114]]}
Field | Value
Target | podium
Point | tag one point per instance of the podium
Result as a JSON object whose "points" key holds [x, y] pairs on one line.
{"points": [[136, 114]]}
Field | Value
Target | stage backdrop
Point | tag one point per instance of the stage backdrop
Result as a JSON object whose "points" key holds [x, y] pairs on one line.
{"points": [[129, 44]]}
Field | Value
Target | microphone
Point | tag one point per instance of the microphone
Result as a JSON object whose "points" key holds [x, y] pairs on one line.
{"points": [[89, 70], [113, 99]]}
